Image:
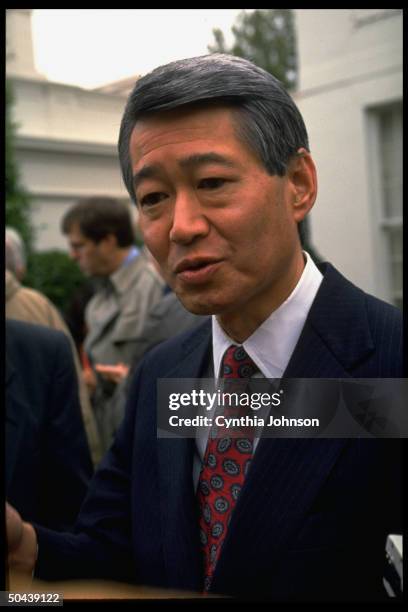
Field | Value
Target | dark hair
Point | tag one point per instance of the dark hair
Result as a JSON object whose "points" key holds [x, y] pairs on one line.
{"points": [[99, 216], [267, 118]]}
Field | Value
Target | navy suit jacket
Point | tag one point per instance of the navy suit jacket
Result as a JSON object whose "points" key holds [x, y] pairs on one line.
{"points": [[48, 465], [313, 515]]}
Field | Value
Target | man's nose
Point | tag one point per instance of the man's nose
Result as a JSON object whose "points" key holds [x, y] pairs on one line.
{"points": [[189, 221]]}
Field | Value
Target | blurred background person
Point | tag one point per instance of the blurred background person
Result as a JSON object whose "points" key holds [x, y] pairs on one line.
{"points": [[166, 319], [48, 463], [26, 304], [101, 240]]}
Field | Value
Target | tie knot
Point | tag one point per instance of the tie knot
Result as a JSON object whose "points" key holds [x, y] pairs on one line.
{"points": [[236, 363]]}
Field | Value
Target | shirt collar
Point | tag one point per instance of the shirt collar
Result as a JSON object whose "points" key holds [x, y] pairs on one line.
{"points": [[134, 252], [272, 343]]}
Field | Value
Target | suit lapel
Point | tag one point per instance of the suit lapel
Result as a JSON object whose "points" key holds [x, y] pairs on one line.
{"points": [[283, 481], [285, 477], [287, 474], [175, 463]]}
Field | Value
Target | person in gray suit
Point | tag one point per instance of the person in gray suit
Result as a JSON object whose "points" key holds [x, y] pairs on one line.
{"points": [[167, 319], [101, 240]]}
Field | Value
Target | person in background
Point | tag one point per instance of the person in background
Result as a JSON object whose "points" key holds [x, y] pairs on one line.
{"points": [[26, 304], [47, 461], [101, 240], [167, 319]]}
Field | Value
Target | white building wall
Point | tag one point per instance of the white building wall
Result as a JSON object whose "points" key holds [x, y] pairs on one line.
{"points": [[57, 111], [66, 144], [350, 62]]}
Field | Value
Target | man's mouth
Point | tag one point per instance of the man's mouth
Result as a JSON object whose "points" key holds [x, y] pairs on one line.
{"points": [[196, 270]]}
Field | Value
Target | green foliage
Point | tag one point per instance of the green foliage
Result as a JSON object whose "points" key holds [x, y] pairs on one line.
{"points": [[267, 38], [55, 274], [18, 203]]}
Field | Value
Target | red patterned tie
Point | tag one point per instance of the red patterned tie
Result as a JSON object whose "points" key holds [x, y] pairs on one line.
{"points": [[225, 465]]}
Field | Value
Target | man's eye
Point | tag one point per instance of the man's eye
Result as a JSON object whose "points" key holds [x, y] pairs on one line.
{"points": [[152, 198], [211, 183]]}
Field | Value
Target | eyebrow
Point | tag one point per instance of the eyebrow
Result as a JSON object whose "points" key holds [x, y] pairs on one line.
{"points": [[197, 159]]}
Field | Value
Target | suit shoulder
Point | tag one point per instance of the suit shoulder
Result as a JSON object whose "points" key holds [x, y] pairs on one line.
{"points": [[342, 295], [143, 268], [33, 330], [382, 312], [32, 336], [386, 327]]}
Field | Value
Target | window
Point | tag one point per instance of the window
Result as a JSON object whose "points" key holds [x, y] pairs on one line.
{"points": [[384, 156], [390, 136]]}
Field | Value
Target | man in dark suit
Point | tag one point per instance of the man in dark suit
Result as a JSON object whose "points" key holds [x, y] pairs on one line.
{"points": [[215, 155], [47, 460]]}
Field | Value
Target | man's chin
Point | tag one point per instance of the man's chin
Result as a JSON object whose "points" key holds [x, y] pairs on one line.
{"points": [[199, 307]]}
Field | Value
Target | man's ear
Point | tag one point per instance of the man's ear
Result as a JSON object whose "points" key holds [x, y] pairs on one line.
{"points": [[301, 174]]}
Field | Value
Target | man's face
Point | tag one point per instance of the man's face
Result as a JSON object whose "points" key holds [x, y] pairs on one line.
{"points": [[93, 258], [222, 229]]}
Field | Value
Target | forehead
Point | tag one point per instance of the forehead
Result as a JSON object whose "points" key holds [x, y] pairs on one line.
{"points": [[75, 234], [212, 124], [74, 229]]}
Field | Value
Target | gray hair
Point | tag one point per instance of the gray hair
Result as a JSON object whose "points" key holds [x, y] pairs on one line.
{"points": [[268, 119], [15, 252]]}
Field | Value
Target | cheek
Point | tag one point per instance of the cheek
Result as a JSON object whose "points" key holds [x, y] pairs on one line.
{"points": [[156, 240], [259, 229], [266, 239]]}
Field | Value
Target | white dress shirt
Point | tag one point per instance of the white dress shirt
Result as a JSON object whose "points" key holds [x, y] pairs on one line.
{"points": [[272, 343]]}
